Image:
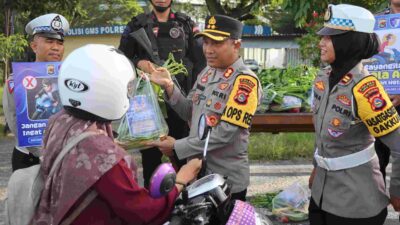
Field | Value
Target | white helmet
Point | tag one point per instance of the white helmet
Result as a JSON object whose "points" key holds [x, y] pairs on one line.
{"points": [[95, 78], [342, 18]]}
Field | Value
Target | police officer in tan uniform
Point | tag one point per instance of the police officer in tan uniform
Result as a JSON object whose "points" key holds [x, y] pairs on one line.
{"points": [[228, 93], [47, 32], [351, 108]]}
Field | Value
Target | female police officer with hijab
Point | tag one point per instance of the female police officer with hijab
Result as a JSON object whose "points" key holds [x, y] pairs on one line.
{"points": [[351, 108]]}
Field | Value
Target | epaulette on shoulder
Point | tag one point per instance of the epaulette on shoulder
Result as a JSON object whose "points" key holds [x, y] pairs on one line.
{"points": [[140, 19], [246, 71]]}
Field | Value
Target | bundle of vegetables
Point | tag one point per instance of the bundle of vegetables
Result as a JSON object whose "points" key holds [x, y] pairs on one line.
{"points": [[144, 120], [287, 89], [292, 203], [174, 68], [264, 200]]}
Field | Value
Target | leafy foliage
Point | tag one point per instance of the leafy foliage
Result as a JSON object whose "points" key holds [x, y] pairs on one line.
{"points": [[239, 9], [291, 81], [11, 46], [107, 12], [303, 9], [195, 12]]}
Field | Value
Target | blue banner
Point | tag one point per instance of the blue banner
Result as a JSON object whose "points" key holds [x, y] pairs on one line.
{"points": [[257, 30], [386, 64], [81, 31], [36, 99]]}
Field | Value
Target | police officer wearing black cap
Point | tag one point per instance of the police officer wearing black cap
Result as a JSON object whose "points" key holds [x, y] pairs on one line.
{"points": [[168, 32], [228, 93], [47, 33]]}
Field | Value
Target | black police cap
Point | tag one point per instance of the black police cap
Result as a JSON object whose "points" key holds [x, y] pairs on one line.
{"points": [[220, 28]]}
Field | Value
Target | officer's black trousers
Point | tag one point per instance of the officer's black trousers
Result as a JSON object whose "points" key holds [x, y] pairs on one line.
{"points": [[383, 153], [20, 160], [317, 216]]}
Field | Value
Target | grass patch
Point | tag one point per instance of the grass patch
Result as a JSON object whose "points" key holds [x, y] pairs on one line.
{"points": [[282, 146]]}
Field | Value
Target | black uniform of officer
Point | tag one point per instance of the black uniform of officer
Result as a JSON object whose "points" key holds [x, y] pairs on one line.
{"points": [[173, 36]]}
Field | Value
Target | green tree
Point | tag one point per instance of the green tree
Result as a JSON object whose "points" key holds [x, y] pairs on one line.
{"points": [[303, 9], [239, 9], [196, 12], [107, 12], [11, 46]]}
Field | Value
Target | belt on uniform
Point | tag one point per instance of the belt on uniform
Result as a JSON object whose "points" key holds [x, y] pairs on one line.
{"points": [[347, 161]]}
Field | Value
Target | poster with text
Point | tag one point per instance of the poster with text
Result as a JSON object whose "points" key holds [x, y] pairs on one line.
{"points": [[36, 99], [386, 64]]}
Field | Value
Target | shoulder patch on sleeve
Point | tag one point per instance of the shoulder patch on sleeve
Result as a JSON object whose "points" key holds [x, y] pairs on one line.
{"points": [[10, 85], [374, 107], [242, 102]]}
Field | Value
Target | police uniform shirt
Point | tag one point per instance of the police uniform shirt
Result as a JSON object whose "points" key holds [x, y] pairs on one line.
{"points": [[229, 98], [346, 121]]}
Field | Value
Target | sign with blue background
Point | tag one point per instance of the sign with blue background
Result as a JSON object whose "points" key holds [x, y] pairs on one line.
{"points": [[36, 99], [386, 64], [257, 30]]}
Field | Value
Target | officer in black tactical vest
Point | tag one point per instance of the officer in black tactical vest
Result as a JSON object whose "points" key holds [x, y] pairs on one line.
{"points": [[167, 32]]}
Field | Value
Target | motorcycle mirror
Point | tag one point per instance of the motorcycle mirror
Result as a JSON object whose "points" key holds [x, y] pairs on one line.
{"points": [[162, 181], [203, 127]]}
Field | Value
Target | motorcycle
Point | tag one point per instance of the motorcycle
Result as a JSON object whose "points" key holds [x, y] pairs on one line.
{"points": [[207, 200], [43, 108]]}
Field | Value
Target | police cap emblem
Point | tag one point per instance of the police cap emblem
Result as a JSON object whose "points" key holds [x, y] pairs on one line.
{"points": [[56, 23]]}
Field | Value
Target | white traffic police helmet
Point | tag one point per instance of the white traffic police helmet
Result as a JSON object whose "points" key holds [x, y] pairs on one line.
{"points": [[343, 18], [95, 79], [51, 25]]}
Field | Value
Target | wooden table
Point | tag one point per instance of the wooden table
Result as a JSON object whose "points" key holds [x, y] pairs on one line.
{"points": [[282, 122]]}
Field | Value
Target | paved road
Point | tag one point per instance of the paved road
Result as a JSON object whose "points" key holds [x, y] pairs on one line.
{"points": [[265, 177]]}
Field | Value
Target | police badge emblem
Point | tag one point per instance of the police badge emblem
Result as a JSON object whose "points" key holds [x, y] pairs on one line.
{"points": [[174, 32], [50, 69], [56, 23]]}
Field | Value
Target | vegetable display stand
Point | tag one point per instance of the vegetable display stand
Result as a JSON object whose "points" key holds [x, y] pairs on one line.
{"points": [[282, 122]]}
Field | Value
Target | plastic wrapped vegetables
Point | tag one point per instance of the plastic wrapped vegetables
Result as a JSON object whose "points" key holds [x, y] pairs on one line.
{"points": [[287, 89], [144, 120]]}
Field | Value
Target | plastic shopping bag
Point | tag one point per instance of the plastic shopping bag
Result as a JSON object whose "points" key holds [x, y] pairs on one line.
{"points": [[144, 120], [292, 203]]}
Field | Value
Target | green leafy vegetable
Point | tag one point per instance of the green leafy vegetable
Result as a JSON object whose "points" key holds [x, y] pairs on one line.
{"points": [[291, 81]]}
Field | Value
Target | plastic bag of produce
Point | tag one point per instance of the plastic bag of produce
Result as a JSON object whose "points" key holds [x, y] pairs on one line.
{"points": [[144, 120], [287, 103], [292, 203]]}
